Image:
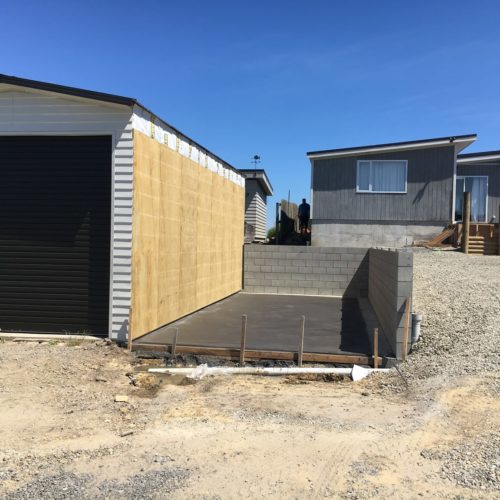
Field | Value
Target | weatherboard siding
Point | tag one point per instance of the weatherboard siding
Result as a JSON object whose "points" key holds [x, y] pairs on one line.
{"points": [[428, 198], [492, 170], [255, 208]]}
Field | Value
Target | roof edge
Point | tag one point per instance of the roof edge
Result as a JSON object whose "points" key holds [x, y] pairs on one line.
{"points": [[394, 146], [259, 175], [103, 97], [63, 89], [480, 156]]}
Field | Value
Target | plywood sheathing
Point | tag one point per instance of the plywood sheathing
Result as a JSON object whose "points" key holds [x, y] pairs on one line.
{"points": [[187, 236]]}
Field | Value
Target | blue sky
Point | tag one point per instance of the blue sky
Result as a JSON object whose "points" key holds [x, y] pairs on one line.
{"points": [[276, 78]]}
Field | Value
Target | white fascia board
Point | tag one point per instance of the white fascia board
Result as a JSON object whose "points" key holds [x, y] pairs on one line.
{"points": [[461, 143], [478, 159]]}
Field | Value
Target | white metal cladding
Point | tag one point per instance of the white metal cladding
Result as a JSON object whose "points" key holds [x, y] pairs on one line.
{"points": [[158, 130], [35, 112], [256, 208]]}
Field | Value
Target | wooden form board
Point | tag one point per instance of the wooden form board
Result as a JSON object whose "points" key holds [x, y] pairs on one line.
{"points": [[235, 354], [187, 236]]}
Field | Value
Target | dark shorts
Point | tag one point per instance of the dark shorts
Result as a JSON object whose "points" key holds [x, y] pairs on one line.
{"points": [[304, 221]]}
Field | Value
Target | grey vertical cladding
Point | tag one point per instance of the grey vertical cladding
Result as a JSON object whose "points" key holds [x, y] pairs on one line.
{"points": [[306, 270], [390, 283], [429, 188], [493, 173]]}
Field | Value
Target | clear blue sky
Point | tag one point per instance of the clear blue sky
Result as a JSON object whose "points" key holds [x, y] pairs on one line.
{"points": [[277, 78]]}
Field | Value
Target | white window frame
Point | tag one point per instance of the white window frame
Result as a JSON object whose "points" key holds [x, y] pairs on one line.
{"points": [[487, 195], [370, 190]]}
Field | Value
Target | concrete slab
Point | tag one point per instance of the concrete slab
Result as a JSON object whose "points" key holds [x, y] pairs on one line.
{"points": [[333, 325]]}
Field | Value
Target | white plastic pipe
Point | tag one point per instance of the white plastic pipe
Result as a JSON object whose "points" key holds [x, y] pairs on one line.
{"points": [[356, 372]]}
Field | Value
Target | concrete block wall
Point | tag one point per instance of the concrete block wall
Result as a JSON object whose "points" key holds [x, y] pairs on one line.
{"points": [[390, 282], [301, 270]]}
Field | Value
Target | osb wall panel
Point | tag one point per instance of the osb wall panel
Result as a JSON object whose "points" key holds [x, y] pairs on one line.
{"points": [[187, 236]]}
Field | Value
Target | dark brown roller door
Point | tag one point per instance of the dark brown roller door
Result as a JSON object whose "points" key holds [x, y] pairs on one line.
{"points": [[55, 211]]}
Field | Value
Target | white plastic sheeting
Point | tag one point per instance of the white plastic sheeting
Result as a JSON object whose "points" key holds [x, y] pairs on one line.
{"points": [[159, 131]]}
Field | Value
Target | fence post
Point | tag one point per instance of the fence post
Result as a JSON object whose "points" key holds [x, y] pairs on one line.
{"points": [[466, 222], [375, 348]]}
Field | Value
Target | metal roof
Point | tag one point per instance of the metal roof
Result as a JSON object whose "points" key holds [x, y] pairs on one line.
{"points": [[100, 96], [259, 175], [394, 146], [479, 157]]}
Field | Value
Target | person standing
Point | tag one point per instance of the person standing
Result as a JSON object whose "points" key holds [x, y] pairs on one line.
{"points": [[304, 215]]}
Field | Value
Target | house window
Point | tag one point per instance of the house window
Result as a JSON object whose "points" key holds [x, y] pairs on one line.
{"points": [[381, 176], [477, 186]]}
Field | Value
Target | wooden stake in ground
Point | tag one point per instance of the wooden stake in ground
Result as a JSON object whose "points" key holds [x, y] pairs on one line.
{"points": [[406, 327], [174, 342], [466, 222], [243, 338], [129, 339], [301, 340], [375, 348], [498, 231]]}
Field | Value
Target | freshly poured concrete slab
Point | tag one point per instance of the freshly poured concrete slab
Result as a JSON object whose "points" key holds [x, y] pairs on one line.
{"points": [[333, 325]]}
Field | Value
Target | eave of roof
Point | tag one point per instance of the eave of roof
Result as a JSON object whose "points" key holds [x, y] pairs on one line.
{"points": [[63, 89], [260, 176], [461, 140], [479, 157], [99, 96]]}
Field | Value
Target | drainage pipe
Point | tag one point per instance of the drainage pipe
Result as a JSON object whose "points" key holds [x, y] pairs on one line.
{"points": [[416, 320], [356, 372]]}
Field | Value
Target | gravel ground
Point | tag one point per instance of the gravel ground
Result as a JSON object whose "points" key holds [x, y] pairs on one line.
{"points": [[474, 463], [64, 434], [459, 296], [67, 485]]}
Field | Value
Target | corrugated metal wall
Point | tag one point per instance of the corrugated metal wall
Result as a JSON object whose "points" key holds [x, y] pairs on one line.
{"points": [[429, 196]]}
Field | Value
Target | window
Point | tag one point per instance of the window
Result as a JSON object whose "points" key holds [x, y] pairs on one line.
{"points": [[477, 186], [381, 176]]}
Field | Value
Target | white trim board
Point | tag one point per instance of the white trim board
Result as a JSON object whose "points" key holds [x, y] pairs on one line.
{"points": [[396, 147]]}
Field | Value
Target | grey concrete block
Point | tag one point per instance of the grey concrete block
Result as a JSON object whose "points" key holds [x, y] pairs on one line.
{"points": [[318, 270]]}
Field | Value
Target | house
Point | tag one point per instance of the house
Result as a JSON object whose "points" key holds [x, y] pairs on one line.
{"points": [[400, 193], [113, 222], [257, 189]]}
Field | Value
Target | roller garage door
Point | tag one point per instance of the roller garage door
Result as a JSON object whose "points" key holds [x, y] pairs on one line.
{"points": [[55, 210]]}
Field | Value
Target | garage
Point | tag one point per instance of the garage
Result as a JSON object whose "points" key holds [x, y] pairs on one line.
{"points": [[112, 222], [55, 225]]}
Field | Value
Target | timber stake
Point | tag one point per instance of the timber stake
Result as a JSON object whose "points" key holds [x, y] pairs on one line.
{"points": [[243, 338], [301, 341]]}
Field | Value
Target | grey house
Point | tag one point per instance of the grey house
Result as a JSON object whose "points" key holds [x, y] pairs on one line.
{"points": [[257, 189], [399, 193]]}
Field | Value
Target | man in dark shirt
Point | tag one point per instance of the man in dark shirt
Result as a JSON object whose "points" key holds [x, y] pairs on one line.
{"points": [[304, 214]]}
